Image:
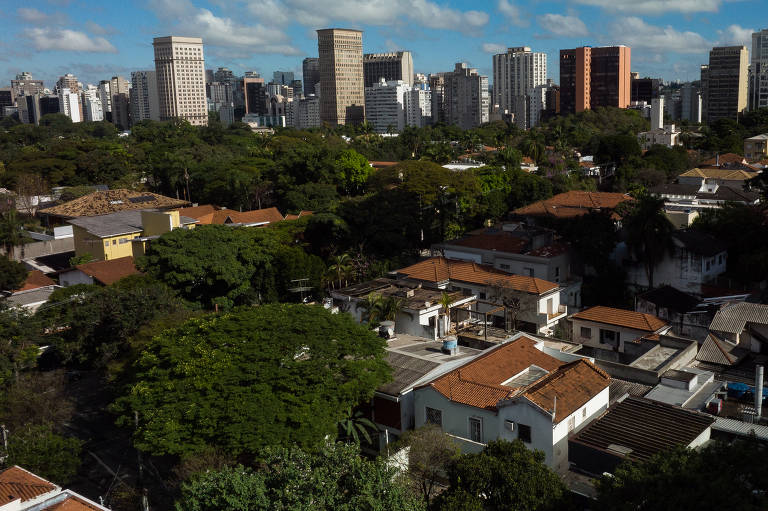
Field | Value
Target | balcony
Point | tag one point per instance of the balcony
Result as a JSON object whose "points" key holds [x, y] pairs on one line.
{"points": [[561, 311]]}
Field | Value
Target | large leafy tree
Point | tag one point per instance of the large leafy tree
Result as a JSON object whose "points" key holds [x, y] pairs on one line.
{"points": [[269, 375], [336, 478], [431, 453], [12, 274], [39, 449], [649, 232]]}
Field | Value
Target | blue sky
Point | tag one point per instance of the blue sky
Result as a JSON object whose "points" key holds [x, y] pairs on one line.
{"points": [[98, 39]]}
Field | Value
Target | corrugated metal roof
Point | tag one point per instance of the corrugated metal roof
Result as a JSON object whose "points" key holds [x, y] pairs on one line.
{"points": [[406, 371], [740, 428], [718, 351], [733, 318]]}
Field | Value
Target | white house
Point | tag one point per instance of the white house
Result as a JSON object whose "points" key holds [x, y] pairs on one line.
{"points": [[613, 329], [516, 391]]}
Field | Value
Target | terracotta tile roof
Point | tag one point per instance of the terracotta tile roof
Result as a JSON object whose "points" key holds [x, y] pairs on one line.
{"points": [[74, 503], [382, 164], [257, 216], [621, 317], [301, 214], [717, 173], [724, 158], [35, 280], [112, 201], [573, 203], [439, 269], [197, 212], [15, 483], [109, 272]]}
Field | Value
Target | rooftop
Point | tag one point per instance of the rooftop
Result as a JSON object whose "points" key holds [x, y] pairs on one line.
{"points": [[719, 173], [109, 272], [670, 298], [504, 241], [17, 483], [699, 243], [723, 192], [722, 159], [209, 214], [111, 201], [622, 318], [716, 350], [734, 317], [573, 203], [116, 224], [35, 279], [440, 269], [415, 296]]}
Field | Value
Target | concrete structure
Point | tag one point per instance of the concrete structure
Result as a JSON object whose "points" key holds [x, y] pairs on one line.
{"points": [[120, 89], [307, 112], [516, 391], [25, 85], [437, 87], [69, 104], [222, 101], [592, 77], [756, 148], [385, 105], [684, 202], [92, 104], [418, 107], [758, 84], [614, 329], [310, 72], [282, 77], [466, 100], [688, 315], [644, 89], [516, 74], [106, 98], [68, 81], [727, 83], [342, 94], [391, 66], [657, 113], [255, 95], [102, 273], [145, 102], [180, 68], [690, 102]]}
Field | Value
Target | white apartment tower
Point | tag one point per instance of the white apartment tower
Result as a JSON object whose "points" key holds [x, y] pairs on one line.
{"points": [[145, 103], [180, 68], [92, 107], [418, 107], [69, 104], [758, 80], [657, 113], [385, 105], [516, 74]]}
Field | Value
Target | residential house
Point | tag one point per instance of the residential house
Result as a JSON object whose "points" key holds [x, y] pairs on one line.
{"points": [[522, 250], [516, 391], [34, 292], [634, 429], [534, 303], [528, 165], [125, 233], [687, 315], [24, 491], [105, 202], [706, 177], [104, 273], [614, 329], [695, 259], [572, 204], [214, 215], [744, 325], [756, 148], [684, 202], [668, 136]]}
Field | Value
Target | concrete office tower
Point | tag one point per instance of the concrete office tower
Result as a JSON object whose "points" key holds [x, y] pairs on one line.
{"points": [[727, 82], [758, 85], [390, 66], [385, 105], [68, 81], [92, 104], [644, 89], [106, 99], [310, 73], [120, 90], [466, 97], [657, 113], [145, 103], [180, 68], [69, 104], [342, 95], [224, 74], [222, 101], [282, 77], [437, 86], [255, 94], [690, 103], [539, 99], [515, 74], [593, 77], [308, 112], [418, 107], [25, 85]]}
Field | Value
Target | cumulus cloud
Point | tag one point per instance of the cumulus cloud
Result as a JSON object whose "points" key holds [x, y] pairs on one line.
{"points": [[636, 33], [36, 17], [494, 48], [655, 6], [53, 39], [563, 26], [512, 13], [735, 35]]}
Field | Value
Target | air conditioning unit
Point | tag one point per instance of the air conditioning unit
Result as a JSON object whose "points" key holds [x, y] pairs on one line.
{"points": [[509, 425]]}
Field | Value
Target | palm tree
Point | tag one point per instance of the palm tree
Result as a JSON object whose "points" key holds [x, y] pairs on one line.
{"points": [[445, 302], [354, 425], [372, 306], [649, 232], [340, 267], [10, 231]]}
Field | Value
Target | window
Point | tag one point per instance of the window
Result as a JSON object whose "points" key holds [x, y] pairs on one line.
{"points": [[524, 433], [571, 423], [557, 271], [584, 413], [106, 243], [476, 429], [720, 259], [434, 416], [504, 266], [528, 271], [114, 242], [586, 332], [482, 296]]}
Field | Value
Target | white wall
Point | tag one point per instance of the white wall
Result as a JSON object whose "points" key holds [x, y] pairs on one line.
{"points": [[625, 334]]}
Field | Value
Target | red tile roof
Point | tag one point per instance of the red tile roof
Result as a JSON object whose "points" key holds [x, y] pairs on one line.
{"points": [[209, 214], [503, 242], [112, 201], [36, 279], [197, 212], [724, 158], [301, 214], [439, 269], [621, 317], [573, 203], [73, 503], [17, 483], [109, 272]]}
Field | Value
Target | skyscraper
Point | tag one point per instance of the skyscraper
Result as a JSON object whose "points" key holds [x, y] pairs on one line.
{"points": [[727, 76], [255, 95], [145, 103], [758, 87], [594, 77], [68, 81], [282, 77], [690, 103], [180, 68], [516, 74], [466, 97], [342, 97], [25, 85], [120, 89], [390, 66], [385, 105], [310, 71], [644, 89]]}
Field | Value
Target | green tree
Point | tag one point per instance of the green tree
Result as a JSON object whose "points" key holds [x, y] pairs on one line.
{"points": [[352, 171], [270, 375], [649, 232], [430, 455], [10, 231], [20, 346], [504, 476], [355, 425], [40, 450], [12, 274]]}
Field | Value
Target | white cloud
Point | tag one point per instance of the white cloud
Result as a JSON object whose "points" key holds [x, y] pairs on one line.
{"points": [[735, 35], [53, 39], [655, 6], [494, 48], [95, 28], [563, 26], [636, 33], [512, 13], [35, 16]]}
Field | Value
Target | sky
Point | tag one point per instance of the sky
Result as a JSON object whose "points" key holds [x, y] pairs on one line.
{"points": [[96, 40]]}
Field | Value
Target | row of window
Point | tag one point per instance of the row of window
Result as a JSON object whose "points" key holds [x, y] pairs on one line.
{"points": [[475, 425]]}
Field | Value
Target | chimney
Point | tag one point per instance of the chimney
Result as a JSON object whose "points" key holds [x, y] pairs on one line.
{"points": [[758, 392]]}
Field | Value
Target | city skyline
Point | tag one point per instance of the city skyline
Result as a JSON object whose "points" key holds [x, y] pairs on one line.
{"points": [[668, 39]]}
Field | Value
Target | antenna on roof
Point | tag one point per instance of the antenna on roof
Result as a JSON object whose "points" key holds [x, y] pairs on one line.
{"points": [[554, 412]]}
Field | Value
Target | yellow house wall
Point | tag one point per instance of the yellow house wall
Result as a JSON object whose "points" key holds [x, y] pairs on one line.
{"points": [[87, 243], [159, 222], [118, 246]]}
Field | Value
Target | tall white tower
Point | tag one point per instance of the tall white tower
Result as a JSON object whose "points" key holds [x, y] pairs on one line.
{"points": [[180, 69]]}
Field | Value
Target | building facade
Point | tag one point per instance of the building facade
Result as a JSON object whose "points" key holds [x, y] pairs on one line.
{"points": [[516, 74], [308, 112], [758, 86], [310, 71], [120, 89], [690, 102], [92, 104], [180, 68], [418, 107], [727, 82], [644, 89], [385, 105], [69, 104], [467, 101], [594, 77], [145, 103], [25, 85], [342, 92], [255, 95], [391, 66]]}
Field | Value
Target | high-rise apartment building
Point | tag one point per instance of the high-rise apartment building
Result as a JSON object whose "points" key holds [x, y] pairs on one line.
{"points": [[307, 112], [342, 96], [120, 90], [25, 85], [145, 103], [467, 100], [418, 107], [391, 66], [310, 73], [69, 104], [68, 81], [180, 68], [255, 94], [516, 74], [644, 89], [758, 83], [690, 103], [594, 77], [437, 87], [92, 104], [727, 77], [282, 77], [385, 105]]}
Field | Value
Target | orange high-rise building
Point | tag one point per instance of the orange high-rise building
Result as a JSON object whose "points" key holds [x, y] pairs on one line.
{"points": [[592, 77]]}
